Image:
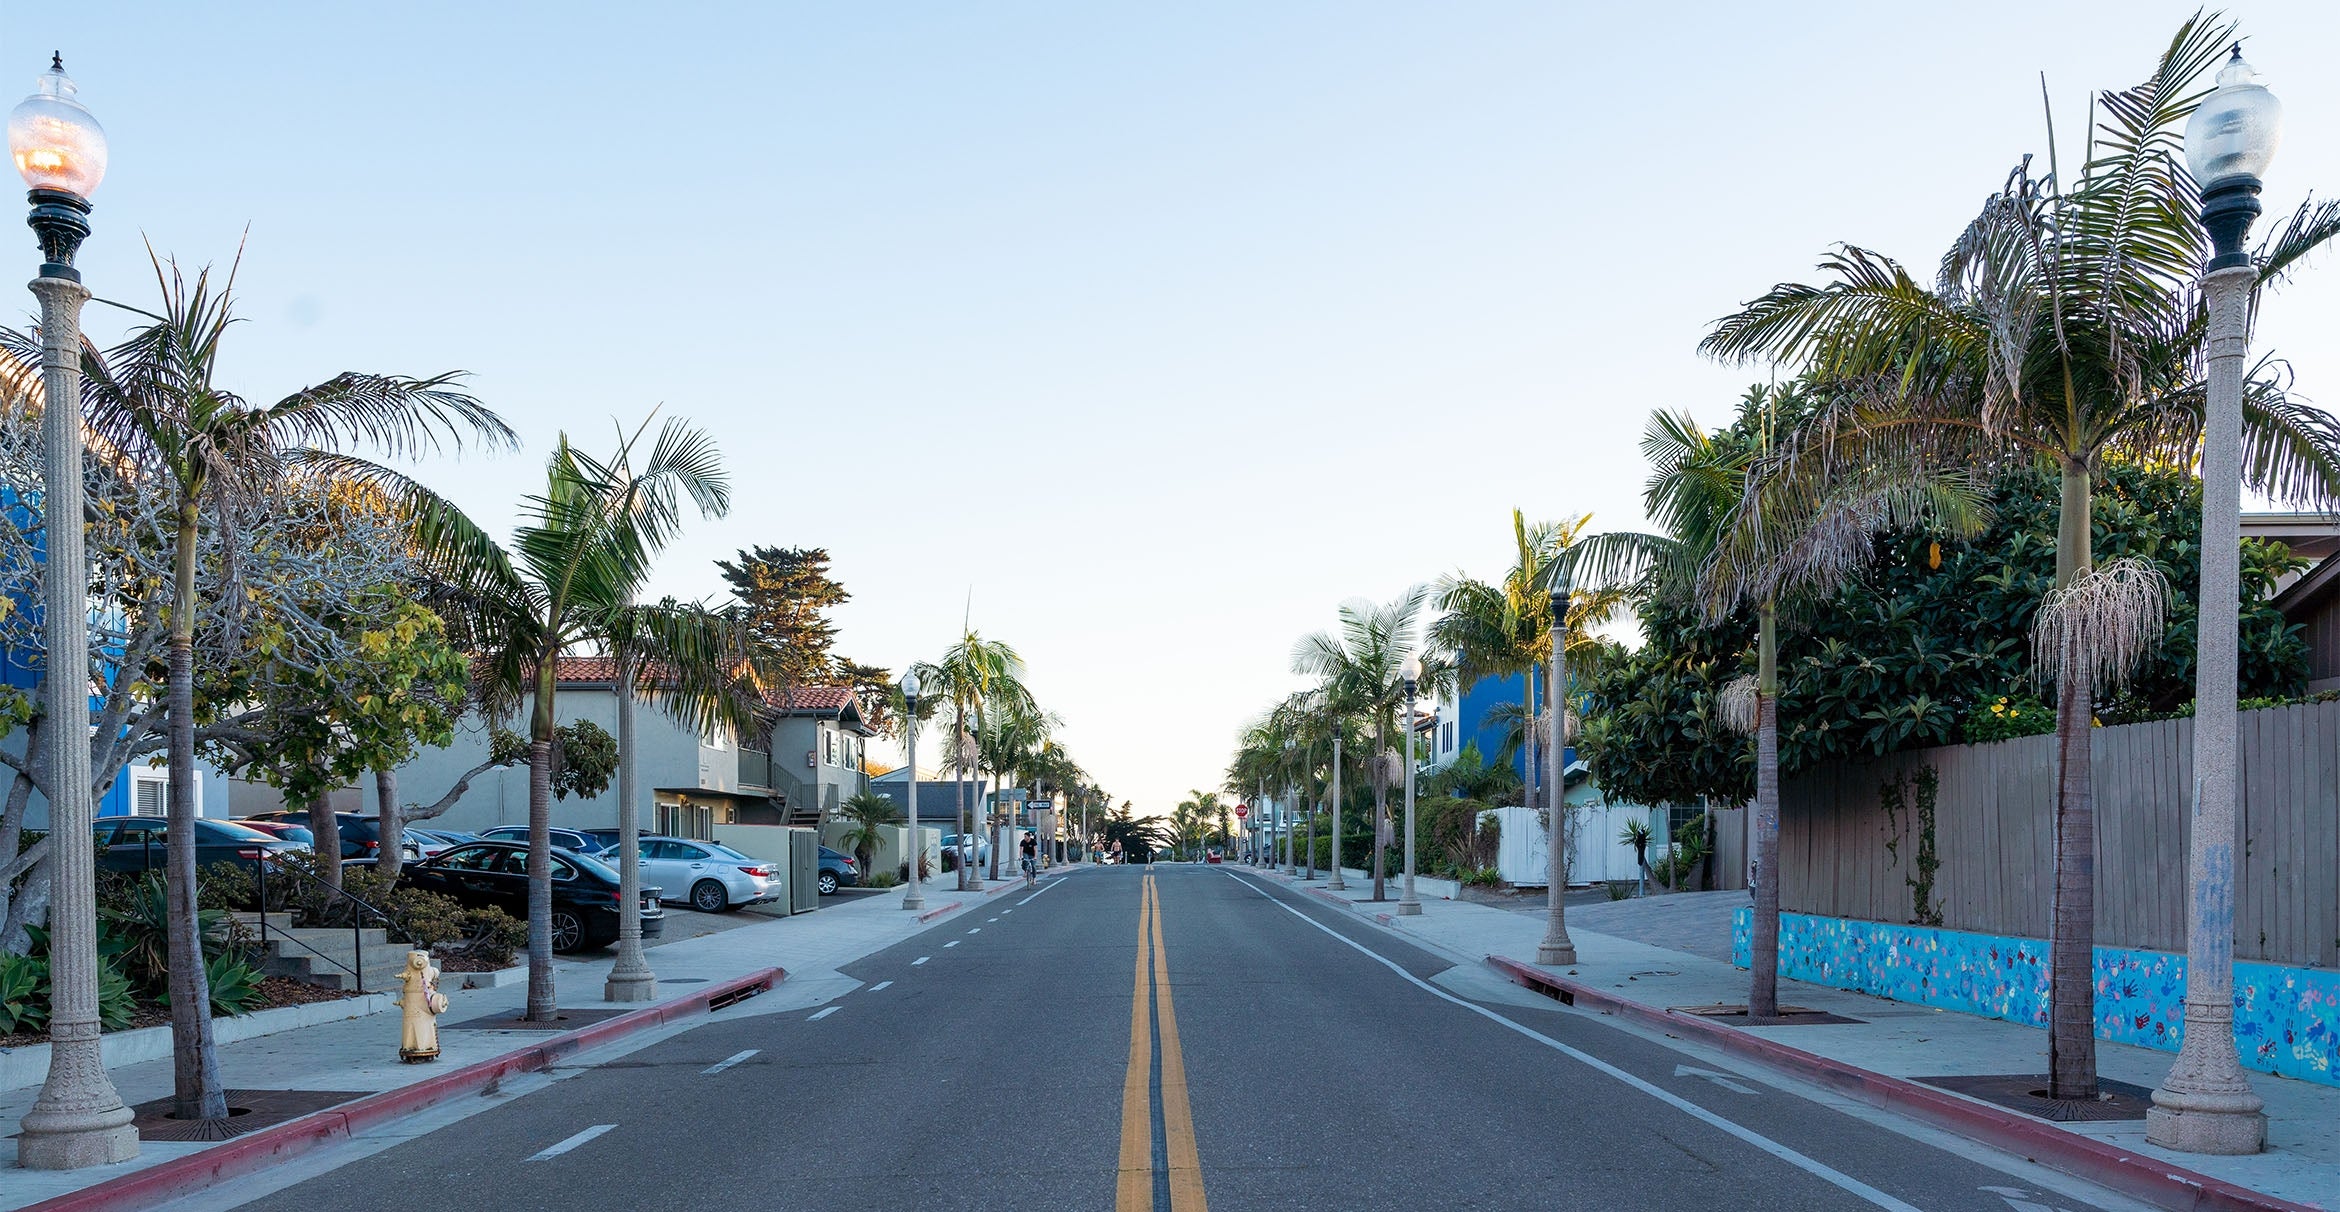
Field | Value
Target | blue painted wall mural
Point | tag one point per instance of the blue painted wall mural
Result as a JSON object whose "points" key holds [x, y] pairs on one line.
{"points": [[2285, 1019]]}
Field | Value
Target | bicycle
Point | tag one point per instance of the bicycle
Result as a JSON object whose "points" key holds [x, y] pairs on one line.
{"points": [[1031, 871]]}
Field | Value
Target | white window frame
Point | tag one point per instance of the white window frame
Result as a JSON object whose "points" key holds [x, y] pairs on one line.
{"points": [[158, 776]]}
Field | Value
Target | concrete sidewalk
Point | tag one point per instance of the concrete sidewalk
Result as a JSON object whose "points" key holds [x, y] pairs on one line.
{"points": [[359, 1052], [1895, 1039]]}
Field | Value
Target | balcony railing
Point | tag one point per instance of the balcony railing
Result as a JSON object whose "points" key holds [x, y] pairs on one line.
{"points": [[755, 769]]}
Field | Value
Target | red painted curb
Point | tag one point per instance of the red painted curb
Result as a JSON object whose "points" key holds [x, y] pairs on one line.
{"points": [[2131, 1173], [183, 1176], [932, 914]]}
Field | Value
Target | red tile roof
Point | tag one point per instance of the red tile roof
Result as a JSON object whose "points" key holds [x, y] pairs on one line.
{"points": [[816, 698], [586, 669]]}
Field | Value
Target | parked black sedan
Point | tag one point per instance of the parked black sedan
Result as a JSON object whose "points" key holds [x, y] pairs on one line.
{"points": [[138, 844], [495, 874]]}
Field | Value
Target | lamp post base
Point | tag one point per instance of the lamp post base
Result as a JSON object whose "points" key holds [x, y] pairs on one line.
{"points": [[913, 900], [1552, 954], [1336, 883], [630, 987], [103, 1140], [2227, 1131], [1409, 908]]}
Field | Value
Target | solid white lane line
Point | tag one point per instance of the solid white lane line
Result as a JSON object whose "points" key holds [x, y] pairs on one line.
{"points": [[952, 943], [572, 1142], [880, 985], [1037, 895], [729, 1061], [818, 1015], [1807, 1164], [920, 960]]}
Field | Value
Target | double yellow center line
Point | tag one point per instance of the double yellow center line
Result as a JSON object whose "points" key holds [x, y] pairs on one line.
{"points": [[1134, 1188]]}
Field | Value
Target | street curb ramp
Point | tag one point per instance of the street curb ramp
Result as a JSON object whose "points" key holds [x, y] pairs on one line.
{"points": [[183, 1176], [2126, 1171]]}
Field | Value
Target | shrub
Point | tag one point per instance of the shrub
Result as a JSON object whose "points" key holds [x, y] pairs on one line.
{"points": [[2008, 717], [490, 936], [883, 879], [1483, 877], [24, 994], [234, 984]]}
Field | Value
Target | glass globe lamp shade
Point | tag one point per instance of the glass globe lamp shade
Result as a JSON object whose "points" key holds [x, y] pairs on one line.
{"points": [[910, 685], [1412, 672], [55, 142], [2234, 131]]}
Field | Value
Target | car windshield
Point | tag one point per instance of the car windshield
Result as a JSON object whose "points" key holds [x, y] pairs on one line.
{"points": [[294, 833], [231, 831], [592, 866], [728, 852]]}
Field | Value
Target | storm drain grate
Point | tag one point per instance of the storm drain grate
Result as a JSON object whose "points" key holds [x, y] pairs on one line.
{"points": [[2027, 1092]]}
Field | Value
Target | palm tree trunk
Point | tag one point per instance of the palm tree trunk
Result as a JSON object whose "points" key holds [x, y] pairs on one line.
{"points": [[1380, 811], [2072, 929], [195, 1087], [541, 1004], [388, 822], [1763, 948], [959, 782]]}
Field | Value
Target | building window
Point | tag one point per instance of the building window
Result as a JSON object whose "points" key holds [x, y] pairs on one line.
{"points": [[1446, 737], [828, 747], [150, 791], [687, 820]]}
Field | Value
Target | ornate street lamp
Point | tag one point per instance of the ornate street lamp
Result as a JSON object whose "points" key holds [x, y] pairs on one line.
{"points": [[79, 1119], [1284, 811], [914, 898], [1408, 904], [2206, 1105], [1557, 947]]}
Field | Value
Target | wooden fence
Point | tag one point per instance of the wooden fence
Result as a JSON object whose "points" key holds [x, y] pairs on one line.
{"points": [[1854, 837]]}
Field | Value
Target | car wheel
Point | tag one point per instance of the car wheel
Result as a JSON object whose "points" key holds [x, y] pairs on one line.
{"points": [[828, 882], [567, 932], [709, 896]]}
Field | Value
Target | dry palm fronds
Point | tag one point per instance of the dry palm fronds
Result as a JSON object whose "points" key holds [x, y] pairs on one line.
{"points": [[2108, 618], [1737, 704]]}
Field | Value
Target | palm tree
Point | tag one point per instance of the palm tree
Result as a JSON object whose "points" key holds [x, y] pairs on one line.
{"points": [[868, 814], [1358, 668], [2064, 326], [1789, 536], [979, 677], [156, 398], [583, 553]]}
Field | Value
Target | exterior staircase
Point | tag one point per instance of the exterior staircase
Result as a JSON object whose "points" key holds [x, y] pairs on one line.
{"points": [[330, 957]]}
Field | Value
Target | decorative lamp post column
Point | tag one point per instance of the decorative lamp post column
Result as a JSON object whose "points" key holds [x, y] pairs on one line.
{"points": [[79, 1119], [630, 978], [1408, 904], [1284, 811], [915, 898], [2206, 1105], [1557, 947], [1336, 883]]}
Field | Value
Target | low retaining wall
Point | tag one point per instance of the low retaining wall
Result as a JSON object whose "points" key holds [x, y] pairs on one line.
{"points": [[2286, 1019]]}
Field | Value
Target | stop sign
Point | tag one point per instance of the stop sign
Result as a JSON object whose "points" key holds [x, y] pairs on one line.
{"points": [[1241, 811]]}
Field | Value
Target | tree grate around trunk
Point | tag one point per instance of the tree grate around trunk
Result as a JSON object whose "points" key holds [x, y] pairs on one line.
{"points": [[248, 1111], [2027, 1093]]}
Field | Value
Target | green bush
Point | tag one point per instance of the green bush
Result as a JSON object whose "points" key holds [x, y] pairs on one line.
{"points": [[2007, 717], [234, 984], [492, 937], [1483, 877], [24, 994]]}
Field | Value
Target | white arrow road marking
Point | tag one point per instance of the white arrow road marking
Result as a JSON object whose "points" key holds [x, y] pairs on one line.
{"points": [[2018, 1199], [880, 985], [920, 960], [821, 1014], [729, 1061], [572, 1142], [1712, 1076]]}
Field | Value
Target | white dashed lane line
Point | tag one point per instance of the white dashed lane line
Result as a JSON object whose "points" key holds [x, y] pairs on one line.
{"points": [[976, 930], [572, 1142], [920, 960], [818, 1015], [729, 1061], [880, 985], [952, 943]]}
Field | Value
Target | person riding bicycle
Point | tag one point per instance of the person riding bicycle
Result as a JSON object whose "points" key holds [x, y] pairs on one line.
{"points": [[1031, 849]]}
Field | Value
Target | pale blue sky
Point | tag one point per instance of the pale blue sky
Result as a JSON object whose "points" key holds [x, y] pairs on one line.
{"points": [[1160, 329]]}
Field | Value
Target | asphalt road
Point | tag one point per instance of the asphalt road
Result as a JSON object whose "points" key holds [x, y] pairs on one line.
{"points": [[1266, 1053]]}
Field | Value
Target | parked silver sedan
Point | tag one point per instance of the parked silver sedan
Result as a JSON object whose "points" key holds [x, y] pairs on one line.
{"points": [[708, 876]]}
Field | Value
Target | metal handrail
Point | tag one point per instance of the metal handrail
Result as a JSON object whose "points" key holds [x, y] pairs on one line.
{"points": [[357, 922]]}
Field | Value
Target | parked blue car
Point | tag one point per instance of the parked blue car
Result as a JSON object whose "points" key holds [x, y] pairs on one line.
{"points": [[838, 871]]}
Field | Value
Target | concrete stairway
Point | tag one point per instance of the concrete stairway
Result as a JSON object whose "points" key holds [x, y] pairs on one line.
{"points": [[329, 956]]}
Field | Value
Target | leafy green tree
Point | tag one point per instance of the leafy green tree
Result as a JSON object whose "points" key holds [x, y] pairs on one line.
{"points": [[2065, 329], [1359, 670], [868, 814], [155, 398], [978, 678]]}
